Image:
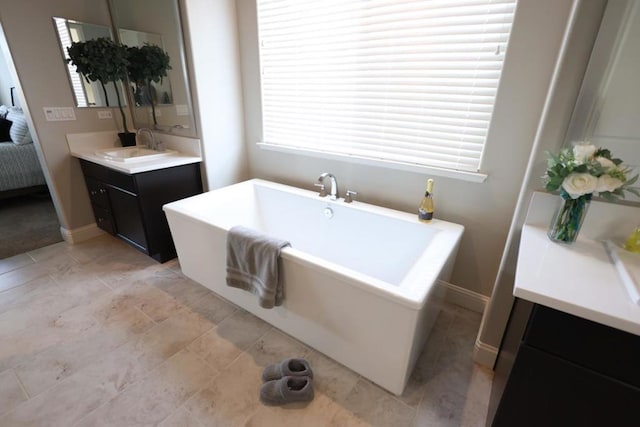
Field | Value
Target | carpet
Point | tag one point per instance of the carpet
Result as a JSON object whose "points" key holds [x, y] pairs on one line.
{"points": [[27, 223]]}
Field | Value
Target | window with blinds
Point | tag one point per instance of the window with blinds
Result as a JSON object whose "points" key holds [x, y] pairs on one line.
{"points": [[76, 80], [406, 81]]}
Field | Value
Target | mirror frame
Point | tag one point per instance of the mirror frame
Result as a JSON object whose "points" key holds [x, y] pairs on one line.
{"points": [[597, 78], [194, 130]]}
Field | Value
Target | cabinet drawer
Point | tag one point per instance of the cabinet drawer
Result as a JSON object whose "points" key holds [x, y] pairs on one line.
{"points": [[97, 193], [113, 177], [104, 219], [610, 351], [544, 390]]}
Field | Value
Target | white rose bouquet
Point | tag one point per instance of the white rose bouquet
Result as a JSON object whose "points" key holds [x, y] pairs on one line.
{"points": [[585, 170], [579, 173]]}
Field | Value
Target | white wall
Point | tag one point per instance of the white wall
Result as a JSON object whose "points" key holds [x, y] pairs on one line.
{"points": [[484, 209], [552, 129], [212, 35], [31, 37]]}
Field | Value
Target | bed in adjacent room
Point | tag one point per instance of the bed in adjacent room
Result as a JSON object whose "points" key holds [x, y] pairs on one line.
{"points": [[20, 171]]}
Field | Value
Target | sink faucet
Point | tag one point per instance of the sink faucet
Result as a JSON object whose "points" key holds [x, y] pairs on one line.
{"points": [[333, 194], [152, 139]]}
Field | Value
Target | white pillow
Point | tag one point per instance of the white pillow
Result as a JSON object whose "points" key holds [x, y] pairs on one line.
{"points": [[19, 131]]}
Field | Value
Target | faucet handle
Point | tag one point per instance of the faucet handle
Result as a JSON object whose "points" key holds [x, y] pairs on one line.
{"points": [[323, 190], [348, 197]]}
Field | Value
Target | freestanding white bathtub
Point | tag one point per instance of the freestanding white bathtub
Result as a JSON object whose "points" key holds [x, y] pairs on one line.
{"points": [[360, 282]]}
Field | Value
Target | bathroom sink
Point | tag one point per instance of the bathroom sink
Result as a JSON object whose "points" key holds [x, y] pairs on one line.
{"points": [[132, 154]]}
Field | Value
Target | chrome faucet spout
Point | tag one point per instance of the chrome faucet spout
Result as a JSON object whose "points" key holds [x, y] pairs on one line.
{"points": [[152, 138], [333, 193]]}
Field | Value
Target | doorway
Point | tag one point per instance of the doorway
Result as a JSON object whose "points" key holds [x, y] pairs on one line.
{"points": [[28, 218]]}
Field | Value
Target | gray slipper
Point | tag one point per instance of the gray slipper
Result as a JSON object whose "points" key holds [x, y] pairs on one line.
{"points": [[288, 367], [286, 390]]}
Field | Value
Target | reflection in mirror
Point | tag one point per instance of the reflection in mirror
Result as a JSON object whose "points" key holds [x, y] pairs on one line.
{"points": [[160, 91], [162, 28], [87, 94], [607, 110]]}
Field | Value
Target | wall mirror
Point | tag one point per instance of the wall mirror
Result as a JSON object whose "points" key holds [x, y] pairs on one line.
{"points": [[143, 94], [157, 22], [607, 111], [87, 94]]}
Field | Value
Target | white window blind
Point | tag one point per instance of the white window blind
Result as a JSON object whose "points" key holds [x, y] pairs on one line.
{"points": [[76, 80], [397, 80]]}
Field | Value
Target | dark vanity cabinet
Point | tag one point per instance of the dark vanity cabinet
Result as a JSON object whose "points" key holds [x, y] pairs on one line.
{"points": [[130, 206], [565, 371]]}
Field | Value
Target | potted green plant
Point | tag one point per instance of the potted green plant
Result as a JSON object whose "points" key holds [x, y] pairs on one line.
{"points": [[148, 63], [104, 61]]}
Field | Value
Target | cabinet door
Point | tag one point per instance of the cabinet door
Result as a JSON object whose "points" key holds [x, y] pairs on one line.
{"points": [[126, 212], [97, 193], [544, 390], [610, 351], [103, 219]]}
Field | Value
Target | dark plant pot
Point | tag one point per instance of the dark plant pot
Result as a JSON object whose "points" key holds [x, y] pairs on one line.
{"points": [[127, 139]]}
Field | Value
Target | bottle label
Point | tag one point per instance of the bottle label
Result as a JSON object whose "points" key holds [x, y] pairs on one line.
{"points": [[424, 215]]}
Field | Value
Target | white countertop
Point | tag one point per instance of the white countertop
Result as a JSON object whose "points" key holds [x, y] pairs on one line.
{"points": [[578, 279], [84, 146]]}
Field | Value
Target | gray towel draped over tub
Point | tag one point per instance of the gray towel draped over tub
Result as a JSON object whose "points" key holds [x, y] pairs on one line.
{"points": [[253, 264]]}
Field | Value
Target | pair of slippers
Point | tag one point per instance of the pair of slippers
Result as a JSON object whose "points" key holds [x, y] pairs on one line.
{"points": [[287, 382]]}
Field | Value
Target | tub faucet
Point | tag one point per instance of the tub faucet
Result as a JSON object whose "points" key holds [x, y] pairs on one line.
{"points": [[333, 194], [152, 138]]}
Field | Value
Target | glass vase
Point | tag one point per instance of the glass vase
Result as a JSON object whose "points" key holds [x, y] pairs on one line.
{"points": [[567, 221]]}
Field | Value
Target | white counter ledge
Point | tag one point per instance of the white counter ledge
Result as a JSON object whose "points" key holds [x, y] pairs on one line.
{"points": [[578, 279], [85, 145]]}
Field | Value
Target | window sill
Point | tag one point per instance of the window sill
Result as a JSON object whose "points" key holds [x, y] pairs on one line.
{"points": [[447, 173]]}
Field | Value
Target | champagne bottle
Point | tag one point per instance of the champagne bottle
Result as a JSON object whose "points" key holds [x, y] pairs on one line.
{"points": [[425, 211]]}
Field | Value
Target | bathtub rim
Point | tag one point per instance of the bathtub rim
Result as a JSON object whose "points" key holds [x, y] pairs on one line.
{"points": [[416, 286]]}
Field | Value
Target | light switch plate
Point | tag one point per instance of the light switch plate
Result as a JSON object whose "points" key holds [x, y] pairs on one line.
{"points": [[182, 110], [59, 114], [105, 114]]}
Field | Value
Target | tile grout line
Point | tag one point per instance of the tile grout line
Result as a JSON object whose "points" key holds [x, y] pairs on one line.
{"points": [[24, 389], [14, 268], [137, 308], [184, 404], [124, 343], [246, 349], [147, 375], [436, 358]]}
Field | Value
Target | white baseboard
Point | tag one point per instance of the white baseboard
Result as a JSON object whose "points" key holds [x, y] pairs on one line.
{"points": [[465, 298], [81, 234], [484, 354]]}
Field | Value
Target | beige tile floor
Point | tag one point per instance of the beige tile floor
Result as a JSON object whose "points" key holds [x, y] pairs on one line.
{"points": [[98, 334]]}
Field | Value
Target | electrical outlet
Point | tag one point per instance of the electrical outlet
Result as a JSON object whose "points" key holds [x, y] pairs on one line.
{"points": [[105, 114]]}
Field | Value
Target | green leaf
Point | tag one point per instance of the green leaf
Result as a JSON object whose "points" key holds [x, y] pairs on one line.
{"points": [[631, 181], [633, 191], [603, 152], [101, 60], [147, 63], [607, 196]]}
